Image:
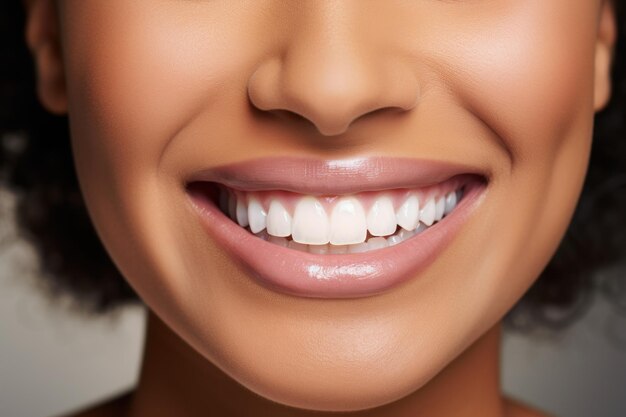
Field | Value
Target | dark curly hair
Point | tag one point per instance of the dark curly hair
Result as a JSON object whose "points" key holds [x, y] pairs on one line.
{"points": [[36, 164]]}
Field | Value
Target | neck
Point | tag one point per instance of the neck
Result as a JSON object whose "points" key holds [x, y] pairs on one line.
{"points": [[176, 380]]}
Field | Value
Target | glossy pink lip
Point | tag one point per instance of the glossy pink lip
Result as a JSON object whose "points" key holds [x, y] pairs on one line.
{"points": [[319, 177], [334, 276]]}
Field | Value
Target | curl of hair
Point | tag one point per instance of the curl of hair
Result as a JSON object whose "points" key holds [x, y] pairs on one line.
{"points": [[36, 164]]}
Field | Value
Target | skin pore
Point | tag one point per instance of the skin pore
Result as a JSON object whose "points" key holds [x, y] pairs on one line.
{"points": [[159, 89]]}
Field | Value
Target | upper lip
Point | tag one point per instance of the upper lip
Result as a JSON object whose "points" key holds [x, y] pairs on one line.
{"points": [[341, 176]]}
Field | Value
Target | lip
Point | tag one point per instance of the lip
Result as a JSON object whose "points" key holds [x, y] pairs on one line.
{"points": [[320, 177], [334, 275]]}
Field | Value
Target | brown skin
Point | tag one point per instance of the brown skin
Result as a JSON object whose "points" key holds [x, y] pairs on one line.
{"points": [[473, 377], [158, 89]]}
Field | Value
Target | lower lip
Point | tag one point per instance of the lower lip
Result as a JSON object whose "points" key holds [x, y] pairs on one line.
{"points": [[337, 275]]}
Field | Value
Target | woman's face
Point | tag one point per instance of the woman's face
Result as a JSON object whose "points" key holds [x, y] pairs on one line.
{"points": [[161, 93]]}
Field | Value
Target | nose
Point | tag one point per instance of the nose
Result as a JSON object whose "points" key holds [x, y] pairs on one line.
{"points": [[331, 74]]}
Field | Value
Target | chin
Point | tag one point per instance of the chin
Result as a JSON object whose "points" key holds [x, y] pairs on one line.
{"points": [[337, 387]]}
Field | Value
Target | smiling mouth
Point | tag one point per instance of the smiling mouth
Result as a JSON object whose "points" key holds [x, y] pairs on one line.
{"points": [[335, 229], [339, 224]]}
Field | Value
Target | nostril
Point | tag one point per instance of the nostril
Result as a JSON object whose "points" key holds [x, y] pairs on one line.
{"points": [[291, 118]]}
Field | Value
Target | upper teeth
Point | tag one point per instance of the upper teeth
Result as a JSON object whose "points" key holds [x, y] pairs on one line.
{"points": [[348, 224], [347, 221]]}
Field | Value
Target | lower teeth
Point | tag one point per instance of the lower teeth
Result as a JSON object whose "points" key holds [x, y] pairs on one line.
{"points": [[376, 242]]}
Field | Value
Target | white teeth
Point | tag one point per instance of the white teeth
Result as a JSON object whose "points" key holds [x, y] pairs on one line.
{"points": [[278, 220], [381, 219], [347, 222], [408, 214], [405, 234], [402, 235], [450, 202], [427, 213], [420, 229], [310, 222], [377, 243], [319, 249], [394, 240], [256, 215], [338, 249], [440, 206], [346, 229], [241, 212], [361, 247]]}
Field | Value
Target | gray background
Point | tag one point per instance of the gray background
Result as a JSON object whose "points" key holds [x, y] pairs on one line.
{"points": [[53, 361]]}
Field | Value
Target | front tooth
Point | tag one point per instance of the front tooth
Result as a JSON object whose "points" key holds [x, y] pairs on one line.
{"points": [[278, 220], [242, 213], [347, 222], [427, 213], [310, 223], [450, 202], [439, 208], [381, 219], [408, 214], [256, 215]]}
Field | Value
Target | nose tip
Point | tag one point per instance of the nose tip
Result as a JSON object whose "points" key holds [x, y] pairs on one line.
{"points": [[331, 91]]}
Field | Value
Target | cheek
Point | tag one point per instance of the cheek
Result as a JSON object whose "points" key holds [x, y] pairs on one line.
{"points": [[135, 79], [527, 72], [140, 71]]}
